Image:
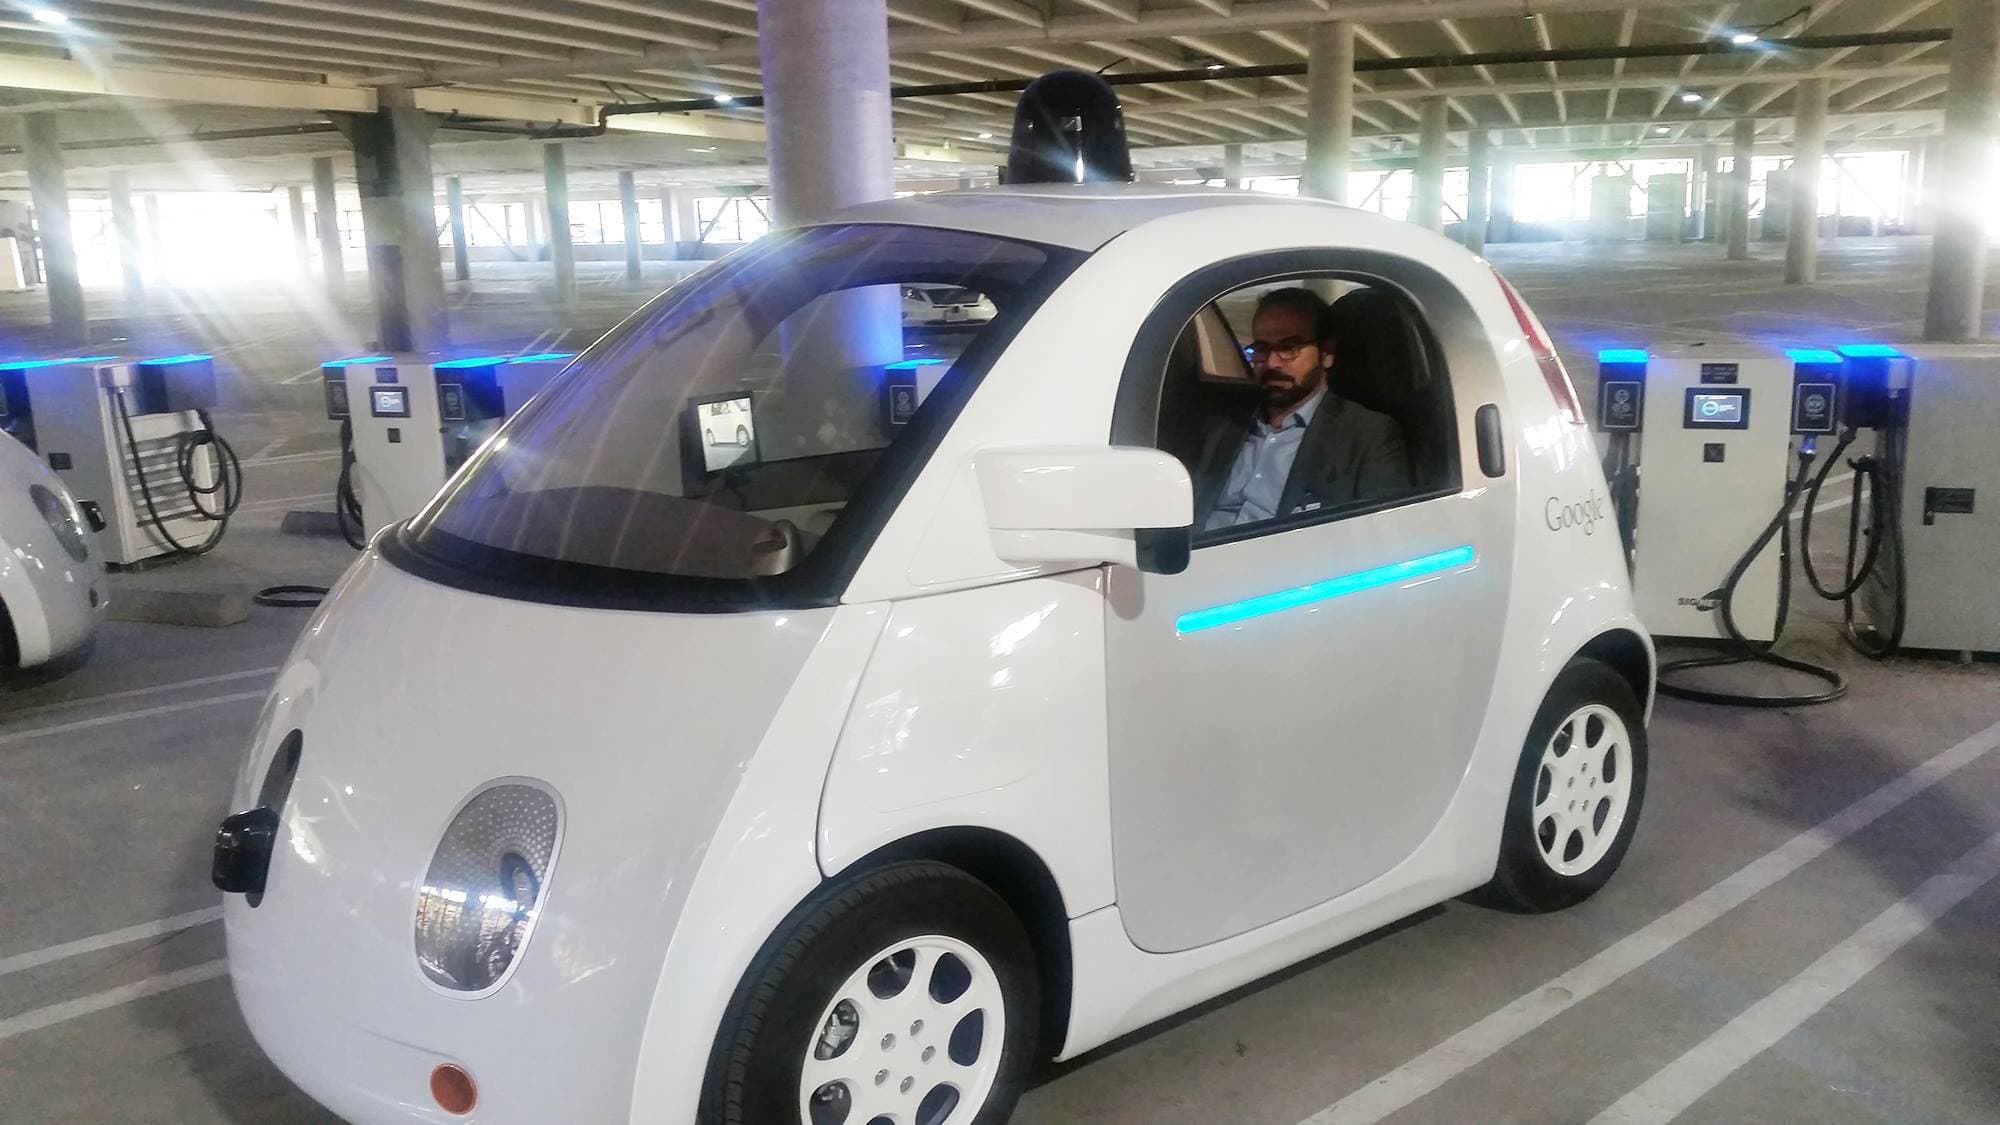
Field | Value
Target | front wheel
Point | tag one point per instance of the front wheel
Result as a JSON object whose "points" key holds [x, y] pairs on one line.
{"points": [[1577, 793], [907, 995], [742, 436]]}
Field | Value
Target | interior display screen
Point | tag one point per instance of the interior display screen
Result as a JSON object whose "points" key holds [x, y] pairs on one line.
{"points": [[1725, 410], [389, 402], [726, 428]]}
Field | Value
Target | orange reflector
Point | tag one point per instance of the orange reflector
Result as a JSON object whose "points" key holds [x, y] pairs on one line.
{"points": [[453, 1088]]}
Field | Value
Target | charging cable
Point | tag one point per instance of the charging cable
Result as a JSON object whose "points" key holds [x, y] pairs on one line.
{"points": [[1745, 650], [212, 503], [1874, 479]]}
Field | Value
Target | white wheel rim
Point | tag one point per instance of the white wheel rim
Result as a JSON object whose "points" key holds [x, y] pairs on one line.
{"points": [[908, 1057], [1583, 789]]}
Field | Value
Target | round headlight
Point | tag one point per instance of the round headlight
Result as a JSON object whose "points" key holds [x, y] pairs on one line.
{"points": [[485, 884], [61, 517]]}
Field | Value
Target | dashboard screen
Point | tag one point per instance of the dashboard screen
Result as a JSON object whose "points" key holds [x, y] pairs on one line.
{"points": [[1726, 410]]}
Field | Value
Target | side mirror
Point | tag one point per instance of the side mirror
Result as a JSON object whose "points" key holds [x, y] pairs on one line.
{"points": [[1087, 504]]}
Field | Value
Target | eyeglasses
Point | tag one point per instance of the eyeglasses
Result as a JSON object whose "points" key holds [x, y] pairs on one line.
{"points": [[1284, 351]]}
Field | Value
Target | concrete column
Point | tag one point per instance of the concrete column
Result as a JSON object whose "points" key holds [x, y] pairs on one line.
{"points": [[1913, 188], [537, 210], [687, 217], [461, 253], [1329, 110], [295, 209], [1808, 152], [1478, 182], [1505, 174], [125, 221], [48, 186], [1703, 193], [965, 183], [1232, 165], [562, 255], [628, 206], [392, 170], [1744, 148], [826, 105], [326, 210], [156, 239], [1956, 307], [1427, 203]]}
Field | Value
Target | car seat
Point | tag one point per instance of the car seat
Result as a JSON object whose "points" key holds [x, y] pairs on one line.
{"points": [[1380, 361]]}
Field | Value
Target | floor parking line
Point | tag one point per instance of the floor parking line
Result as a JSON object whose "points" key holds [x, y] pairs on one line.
{"points": [[110, 998], [293, 458], [33, 959], [139, 691], [1482, 1040], [126, 716], [134, 693], [1681, 1083]]}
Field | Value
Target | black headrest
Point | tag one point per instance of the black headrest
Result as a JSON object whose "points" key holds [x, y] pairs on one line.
{"points": [[1378, 360]]}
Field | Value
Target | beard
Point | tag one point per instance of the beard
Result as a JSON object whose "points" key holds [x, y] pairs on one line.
{"points": [[1283, 391]]}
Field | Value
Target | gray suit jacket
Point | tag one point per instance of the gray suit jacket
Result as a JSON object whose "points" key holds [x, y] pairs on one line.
{"points": [[1350, 453]]}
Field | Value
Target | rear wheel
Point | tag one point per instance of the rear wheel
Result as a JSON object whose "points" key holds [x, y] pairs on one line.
{"points": [[1577, 793], [742, 436], [907, 996]]}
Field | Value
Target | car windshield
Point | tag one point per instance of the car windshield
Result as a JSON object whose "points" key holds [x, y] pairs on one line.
{"points": [[758, 417]]}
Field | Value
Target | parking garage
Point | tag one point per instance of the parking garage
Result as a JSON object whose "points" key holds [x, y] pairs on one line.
{"points": [[706, 561]]}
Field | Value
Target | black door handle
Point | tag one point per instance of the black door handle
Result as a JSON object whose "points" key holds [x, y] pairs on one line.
{"points": [[1492, 449]]}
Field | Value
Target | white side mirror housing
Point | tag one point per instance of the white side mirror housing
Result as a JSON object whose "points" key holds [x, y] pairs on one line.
{"points": [[1087, 504]]}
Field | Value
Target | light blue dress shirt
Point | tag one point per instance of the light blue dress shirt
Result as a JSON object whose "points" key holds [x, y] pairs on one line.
{"points": [[1257, 479]]}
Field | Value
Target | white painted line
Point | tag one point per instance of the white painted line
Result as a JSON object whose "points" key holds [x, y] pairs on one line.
{"points": [[294, 458], [110, 998], [136, 692], [1681, 1083], [21, 962], [282, 501], [1475, 1044], [126, 716], [269, 446]]}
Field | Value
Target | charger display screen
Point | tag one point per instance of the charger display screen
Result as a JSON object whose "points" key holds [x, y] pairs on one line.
{"points": [[1717, 410], [389, 402]]}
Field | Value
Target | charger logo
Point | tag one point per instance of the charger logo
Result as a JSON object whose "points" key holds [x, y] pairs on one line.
{"points": [[1584, 513]]}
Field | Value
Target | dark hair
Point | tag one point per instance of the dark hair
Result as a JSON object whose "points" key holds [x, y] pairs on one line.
{"points": [[1303, 301]]}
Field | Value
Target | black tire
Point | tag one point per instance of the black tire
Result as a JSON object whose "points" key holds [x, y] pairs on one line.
{"points": [[710, 435], [742, 436], [1525, 879], [755, 1067]]}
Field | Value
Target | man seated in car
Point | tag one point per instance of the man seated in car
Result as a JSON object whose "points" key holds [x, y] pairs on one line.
{"points": [[1300, 446]]}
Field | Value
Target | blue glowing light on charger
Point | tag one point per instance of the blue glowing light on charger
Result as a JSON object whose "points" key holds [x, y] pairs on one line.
{"points": [[172, 360], [1869, 351], [1811, 355], [1232, 612], [472, 361], [354, 359], [912, 364], [1622, 355], [541, 357], [30, 364]]}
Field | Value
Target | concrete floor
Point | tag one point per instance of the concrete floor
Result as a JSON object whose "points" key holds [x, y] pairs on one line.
{"points": [[1730, 972]]}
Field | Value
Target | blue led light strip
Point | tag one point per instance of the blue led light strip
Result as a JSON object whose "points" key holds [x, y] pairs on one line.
{"points": [[1232, 612], [1622, 355], [30, 364], [541, 357], [1811, 355], [354, 359], [172, 360], [1868, 351]]}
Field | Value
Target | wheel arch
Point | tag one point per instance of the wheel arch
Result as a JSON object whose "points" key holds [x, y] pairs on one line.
{"points": [[1627, 654], [10, 643], [1022, 879]]}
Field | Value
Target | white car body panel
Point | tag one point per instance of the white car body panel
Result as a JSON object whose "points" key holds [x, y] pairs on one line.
{"points": [[53, 601], [951, 690]]}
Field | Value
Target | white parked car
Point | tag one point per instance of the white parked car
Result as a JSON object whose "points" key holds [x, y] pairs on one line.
{"points": [[51, 575], [946, 304], [841, 786]]}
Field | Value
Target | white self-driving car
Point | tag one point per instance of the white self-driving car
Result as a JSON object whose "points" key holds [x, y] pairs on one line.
{"points": [[51, 575], [946, 304], [840, 783]]}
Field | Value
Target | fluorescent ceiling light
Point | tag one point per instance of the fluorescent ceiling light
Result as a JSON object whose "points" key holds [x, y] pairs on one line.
{"points": [[724, 99], [1743, 38], [1690, 97], [1214, 66], [985, 136], [48, 15], [1660, 129]]}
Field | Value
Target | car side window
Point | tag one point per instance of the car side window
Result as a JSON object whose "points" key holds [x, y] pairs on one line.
{"points": [[1295, 399]]}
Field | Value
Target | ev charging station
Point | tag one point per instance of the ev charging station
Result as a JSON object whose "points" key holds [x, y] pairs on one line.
{"points": [[1701, 438], [409, 422], [132, 441], [1933, 588]]}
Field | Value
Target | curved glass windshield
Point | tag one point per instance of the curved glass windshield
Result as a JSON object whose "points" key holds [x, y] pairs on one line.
{"points": [[749, 428]]}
